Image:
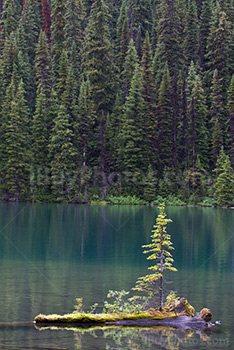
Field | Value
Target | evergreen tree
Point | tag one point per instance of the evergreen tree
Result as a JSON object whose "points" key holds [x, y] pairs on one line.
{"points": [[17, 156], [63, 157], [169, 48], [99, 69], [73, 29], [132, 147], [165, 118], [220, 47], [150, 188], [198, 115], [148, 94], [159, 250], [140, 13], [231, 120], [191, 42], [205, 23], [98, 63], [43, 67], [57, 34], [130, 64], [217, 114], [224, 186], [123, 35], [8, 18]]}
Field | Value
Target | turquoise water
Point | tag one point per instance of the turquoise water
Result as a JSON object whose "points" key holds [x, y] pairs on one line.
{"points": [[52, 254]]}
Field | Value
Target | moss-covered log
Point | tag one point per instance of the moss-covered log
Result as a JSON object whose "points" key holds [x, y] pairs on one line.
{"points": [[147, 318]]}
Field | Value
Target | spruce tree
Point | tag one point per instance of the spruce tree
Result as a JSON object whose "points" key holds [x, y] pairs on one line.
{"points": [[57, 34], [63, 158], [159, 250], [43, 67], [191, 42], [217, 116], [17, 155], [98, 65], [99, 69], [165, 118], [148, 94], [130, 64], [73, 29], [123, 35], [224, 185], [8, 18], [169, 48], [231, 120], [132, 143], [220, 47]]}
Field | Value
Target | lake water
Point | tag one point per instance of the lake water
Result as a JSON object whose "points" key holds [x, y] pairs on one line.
{"points": [[52, 254]]}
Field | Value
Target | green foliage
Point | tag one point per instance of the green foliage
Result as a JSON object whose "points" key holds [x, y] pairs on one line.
{"points": [[159, 251], [224, 185], [120, 305], [129, 200]]}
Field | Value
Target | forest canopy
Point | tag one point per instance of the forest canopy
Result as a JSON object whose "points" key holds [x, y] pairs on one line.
{"points": [[105, 99]]}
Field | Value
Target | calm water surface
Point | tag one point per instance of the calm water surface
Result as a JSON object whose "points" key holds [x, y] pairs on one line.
{"points": [[52, 254]]}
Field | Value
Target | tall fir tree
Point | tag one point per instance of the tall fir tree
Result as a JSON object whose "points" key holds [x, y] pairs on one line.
{"points": [[17, 155], [220, 47], [217, 116], [99, 69], [224, 186], [191, 41], [57, 35], [132, 143], [123, 35], [63, 158], [231, 120], [148, 94], [165, 118]]}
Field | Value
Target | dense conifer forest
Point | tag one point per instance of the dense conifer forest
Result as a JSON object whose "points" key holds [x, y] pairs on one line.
{"points": [[116, 99]]}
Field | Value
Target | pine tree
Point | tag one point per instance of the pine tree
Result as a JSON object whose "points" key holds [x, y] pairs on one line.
{"points": [[17, 155], [60, 85], [220, 47], [57, 35], [150, 187], [8, 18], [99, 69], [165, 118], [159, 250], [191, 42], [169, 48], [123, 35], [217, 116], [43, 67], [205, 23], [98, 63], [231, 120], [140, 13], [224, 186], [73, 29], [63, 157], [148, 94], [132, 147], [130, 64], [198, 115]]}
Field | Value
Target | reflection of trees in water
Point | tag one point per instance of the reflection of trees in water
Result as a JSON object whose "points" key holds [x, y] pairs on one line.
{"points": [[134, 338]]}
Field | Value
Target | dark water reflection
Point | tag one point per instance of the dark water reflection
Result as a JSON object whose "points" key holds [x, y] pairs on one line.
{"points": [[51, 254]]}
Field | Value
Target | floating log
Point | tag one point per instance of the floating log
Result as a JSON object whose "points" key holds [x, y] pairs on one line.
{"points": [[182, 320]]}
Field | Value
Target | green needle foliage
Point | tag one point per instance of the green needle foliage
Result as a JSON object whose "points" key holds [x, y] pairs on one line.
{"points": [[159, 250]]}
